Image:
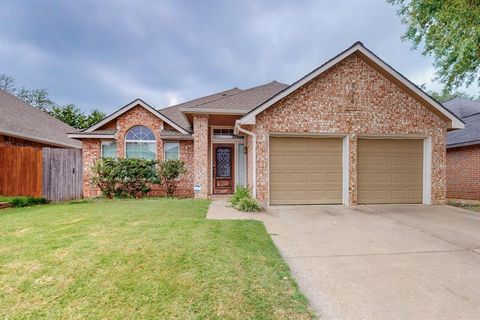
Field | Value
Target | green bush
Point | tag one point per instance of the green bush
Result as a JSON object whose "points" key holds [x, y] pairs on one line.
{"points": [[242, 201], [27, 201], [248, 205], [240, 193], [124, 178], [169, 172]]}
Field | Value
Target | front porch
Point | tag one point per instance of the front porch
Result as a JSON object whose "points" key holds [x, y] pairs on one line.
{"points": [[220, 156]]}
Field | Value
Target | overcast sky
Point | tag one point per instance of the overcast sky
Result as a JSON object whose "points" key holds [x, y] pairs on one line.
{"points": [[104, 54]]}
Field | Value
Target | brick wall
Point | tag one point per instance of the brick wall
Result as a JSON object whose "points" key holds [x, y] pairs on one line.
{"points": [[134, 117], [201, 164], [463, 172], [351, 98], [90, 153]]}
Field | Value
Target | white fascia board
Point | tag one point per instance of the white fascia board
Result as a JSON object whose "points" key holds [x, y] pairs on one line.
{"points": [[250, 117], [130, 106]]}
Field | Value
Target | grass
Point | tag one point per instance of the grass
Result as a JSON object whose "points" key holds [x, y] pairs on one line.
{"points": [[8, 199], [144, 259], [475, 208]]}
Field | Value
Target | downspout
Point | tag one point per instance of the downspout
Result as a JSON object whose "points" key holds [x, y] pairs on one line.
{"points": [[254, 156]]}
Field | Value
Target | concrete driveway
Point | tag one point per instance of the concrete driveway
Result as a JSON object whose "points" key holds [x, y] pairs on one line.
{"points": [[378, 262], [382, 262]]}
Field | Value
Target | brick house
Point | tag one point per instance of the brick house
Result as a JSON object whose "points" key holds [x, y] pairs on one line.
{"points": [[352, 131], [463, 151]]}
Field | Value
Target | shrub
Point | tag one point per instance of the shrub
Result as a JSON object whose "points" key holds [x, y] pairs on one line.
{"points": [[242, 201], [27, 201], [248, 205], [240, 193], [169, 172], [123, 177]]}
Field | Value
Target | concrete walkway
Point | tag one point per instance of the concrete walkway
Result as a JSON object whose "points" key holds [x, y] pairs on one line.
{"points": [[378, 262]]}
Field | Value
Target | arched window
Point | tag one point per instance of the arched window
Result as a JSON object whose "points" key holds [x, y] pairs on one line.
{"points": [[140, 143]]}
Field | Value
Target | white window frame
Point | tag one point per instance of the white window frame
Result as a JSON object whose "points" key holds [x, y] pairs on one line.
{"points": [[102, 142], [140, 141], [165, 149]]}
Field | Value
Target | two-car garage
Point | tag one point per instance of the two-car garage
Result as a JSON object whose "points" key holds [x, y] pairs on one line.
{"points": [[310, 170]]}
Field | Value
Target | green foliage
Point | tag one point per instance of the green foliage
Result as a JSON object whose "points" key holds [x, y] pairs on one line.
{"points": [[169, 172], [240, 193], [242, 201], [446, 96], [448, 30], [73, 116], [124, 178], [37, 98], [27, 201], [248, 205]]}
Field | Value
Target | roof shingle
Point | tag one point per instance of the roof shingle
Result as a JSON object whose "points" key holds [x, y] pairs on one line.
{"points": [[231, 100], [469, 112], [22, 120]]}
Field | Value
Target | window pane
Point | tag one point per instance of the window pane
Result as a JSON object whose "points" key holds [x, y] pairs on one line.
{"points": [[241, 166], [109, 149], [140, 133], [141, 150], [172, 151]]}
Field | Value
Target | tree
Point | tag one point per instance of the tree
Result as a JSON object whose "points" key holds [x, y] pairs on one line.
{"points": [[445, 96], [69, 114], [94, 117], [7, 83], [450, 32], [37, 98]]}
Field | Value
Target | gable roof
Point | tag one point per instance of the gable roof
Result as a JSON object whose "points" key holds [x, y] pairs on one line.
{"points": [[19, 119], [469, 111], [452, 121], [134, 103], [174, 113], [233, 101], [240, 102]]}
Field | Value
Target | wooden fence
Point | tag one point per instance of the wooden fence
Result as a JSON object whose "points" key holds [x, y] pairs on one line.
{"points": [[20, 171], [62, 174], [53, 173]]}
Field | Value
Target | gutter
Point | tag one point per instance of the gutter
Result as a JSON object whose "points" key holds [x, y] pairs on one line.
{"points": [[254, 155], [39, 140]]}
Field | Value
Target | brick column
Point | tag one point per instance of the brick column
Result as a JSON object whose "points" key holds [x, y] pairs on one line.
{"points": [[90, 154], [200, 155]]}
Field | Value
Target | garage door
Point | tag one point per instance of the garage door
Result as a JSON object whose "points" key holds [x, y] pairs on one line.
{"points": [[305, 170], [390, 171]]}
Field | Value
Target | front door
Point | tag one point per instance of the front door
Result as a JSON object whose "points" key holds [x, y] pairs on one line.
{"points": [[223, 169]]}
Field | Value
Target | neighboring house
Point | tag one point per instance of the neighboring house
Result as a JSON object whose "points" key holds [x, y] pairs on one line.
{"points": [[23, 125], [463, 151], [352, 131]]}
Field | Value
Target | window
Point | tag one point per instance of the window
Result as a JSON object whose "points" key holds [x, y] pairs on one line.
{"points": [[172, 150], [109, 149], [224, 133], [140, 143]]}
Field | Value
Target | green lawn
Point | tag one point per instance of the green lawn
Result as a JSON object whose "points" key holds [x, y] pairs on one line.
{"points": [[8, 199], [144, 259]]}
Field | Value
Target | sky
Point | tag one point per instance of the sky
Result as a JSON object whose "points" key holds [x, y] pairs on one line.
{"points": [[104, 54]]}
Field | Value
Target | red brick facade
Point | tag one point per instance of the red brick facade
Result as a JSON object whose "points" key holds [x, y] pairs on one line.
{"points": [[351, 99], [463, 172], [134, 117]]}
